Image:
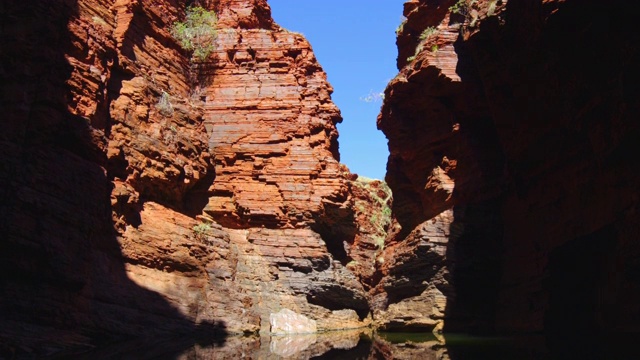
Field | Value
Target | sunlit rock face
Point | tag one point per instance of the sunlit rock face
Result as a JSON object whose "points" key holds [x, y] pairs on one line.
{"points": [[278, 186], [272, 129], [147, 194], [286, 321], [507, 117]]}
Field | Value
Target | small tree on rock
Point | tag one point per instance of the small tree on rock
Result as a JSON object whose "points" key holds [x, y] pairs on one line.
{"points": [[197, 33]]}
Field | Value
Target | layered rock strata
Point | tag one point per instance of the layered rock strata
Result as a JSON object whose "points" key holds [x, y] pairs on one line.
{"points": [[278, 187], [272, 126], [512, 128], [147, 194], [372, 201]]}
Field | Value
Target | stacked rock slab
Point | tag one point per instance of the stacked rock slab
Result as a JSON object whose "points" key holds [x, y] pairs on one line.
{"points": [[272, 129]]}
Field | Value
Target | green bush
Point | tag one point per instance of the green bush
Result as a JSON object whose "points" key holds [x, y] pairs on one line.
{"points": [[428, 32], [491, 10], [201, 230], [401, 26], [459, 7], [197, 33], [380, 213], [164, 105]]}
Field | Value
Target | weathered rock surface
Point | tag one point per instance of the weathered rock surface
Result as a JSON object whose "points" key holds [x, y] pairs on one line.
{"points": [[372, 201], [272, 126], [145, 195], [414, 278], [515, 126], [286, 321]]}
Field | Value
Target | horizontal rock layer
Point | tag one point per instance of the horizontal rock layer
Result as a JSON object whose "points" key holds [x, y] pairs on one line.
{"points": [[272, 125]]}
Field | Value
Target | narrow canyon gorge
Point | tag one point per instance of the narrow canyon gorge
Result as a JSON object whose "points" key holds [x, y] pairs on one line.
{"points": [[147, 194]]}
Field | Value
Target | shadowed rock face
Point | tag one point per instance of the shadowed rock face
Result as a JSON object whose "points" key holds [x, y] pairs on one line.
{"points": [[70, 138], [144, 194], [517, 126]]}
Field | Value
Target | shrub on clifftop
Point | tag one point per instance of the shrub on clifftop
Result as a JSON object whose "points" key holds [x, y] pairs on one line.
{"points": [[197, 33]]}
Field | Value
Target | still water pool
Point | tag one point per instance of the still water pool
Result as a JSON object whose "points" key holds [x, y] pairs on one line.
{"points": [[367, 345]]}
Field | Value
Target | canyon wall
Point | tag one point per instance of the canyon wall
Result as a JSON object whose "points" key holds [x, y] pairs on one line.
{"points": [[512, 128], [146, 193], [149, 194]]}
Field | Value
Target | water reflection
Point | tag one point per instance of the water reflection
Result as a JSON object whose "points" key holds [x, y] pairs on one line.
{"points": [[365, 344], [353, 344]]}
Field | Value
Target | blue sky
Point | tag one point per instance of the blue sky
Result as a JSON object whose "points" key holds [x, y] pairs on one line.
{"points": [[354, 41]]}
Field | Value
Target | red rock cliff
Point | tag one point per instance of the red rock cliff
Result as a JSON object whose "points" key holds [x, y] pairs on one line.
{"points": [[511, 128], [144, 194]]}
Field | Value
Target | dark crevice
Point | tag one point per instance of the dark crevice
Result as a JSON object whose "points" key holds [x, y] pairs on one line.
{"points": [[475, 265], [335, 246], [197, 197], [231, 54], [293, 53], [337, 227], [577, 285], [335, 297]]}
